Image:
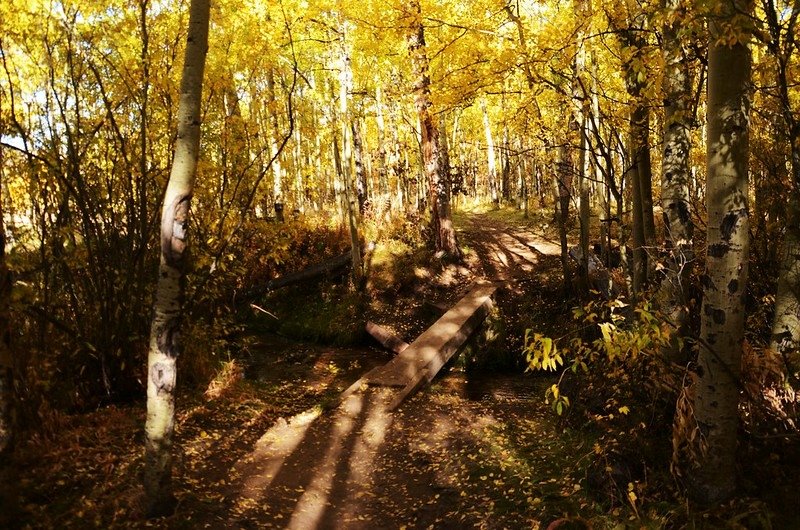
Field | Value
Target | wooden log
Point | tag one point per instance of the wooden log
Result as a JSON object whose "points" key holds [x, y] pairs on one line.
{"points": [[331, 268], [386, 338]]}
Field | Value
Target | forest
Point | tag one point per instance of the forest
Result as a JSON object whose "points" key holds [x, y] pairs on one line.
{"points": [[399, 264]]}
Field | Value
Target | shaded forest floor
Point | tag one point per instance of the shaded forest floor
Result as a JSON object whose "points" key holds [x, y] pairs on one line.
{"points": [[266, 445]]}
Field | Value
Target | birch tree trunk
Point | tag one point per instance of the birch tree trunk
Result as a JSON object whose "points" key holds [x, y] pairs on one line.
{"points": [[580, 110], [165, 329], [716, 391], [564, 192], [383, 180], [635, 146], [443, 232], [640, 171], [274, 134], [786, 326], [361, 171], [675, 177]]}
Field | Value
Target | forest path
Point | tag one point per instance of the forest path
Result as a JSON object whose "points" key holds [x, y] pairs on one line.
{"points": [[506, 251], [456, 455]]}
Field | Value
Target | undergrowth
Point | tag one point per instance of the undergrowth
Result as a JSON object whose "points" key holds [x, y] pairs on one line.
{"points": [[614, 380]]}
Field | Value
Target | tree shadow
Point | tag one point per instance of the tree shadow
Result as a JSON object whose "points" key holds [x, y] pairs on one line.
{"points": [[308, 472]]}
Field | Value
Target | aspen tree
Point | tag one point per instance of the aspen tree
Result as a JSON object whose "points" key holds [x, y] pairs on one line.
{"points": [[675, 175], [716, 391], [443, 232], [164, 343]]}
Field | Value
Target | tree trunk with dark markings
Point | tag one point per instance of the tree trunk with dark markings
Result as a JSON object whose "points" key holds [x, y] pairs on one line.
{"points": [[164, 332]]}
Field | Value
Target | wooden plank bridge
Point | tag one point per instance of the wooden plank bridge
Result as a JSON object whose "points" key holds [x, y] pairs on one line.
{"points": [[418, 363]]}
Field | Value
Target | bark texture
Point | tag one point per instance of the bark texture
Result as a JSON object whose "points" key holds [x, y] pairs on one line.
{"points": [[675, 177], [490, 155], [580, 109], [345, 87], [164, 332], [361, 172], [564, 179], [716, 392], [640, 171], [786, 325], [442, 230]]}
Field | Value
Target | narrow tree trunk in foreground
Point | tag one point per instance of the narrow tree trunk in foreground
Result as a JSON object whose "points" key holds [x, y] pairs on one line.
{"points": [[675, 176], [564, 182], [716, 392], [640, 175], [345, 87], [639, 272], [164, 332]]}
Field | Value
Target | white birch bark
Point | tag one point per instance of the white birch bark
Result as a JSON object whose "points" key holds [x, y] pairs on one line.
{"points": [[164, 332], [716, 391]]}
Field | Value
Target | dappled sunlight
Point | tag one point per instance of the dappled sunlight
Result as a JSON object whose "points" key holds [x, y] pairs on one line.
{"points": [[303, 469], [312, 503], [259, 468]]}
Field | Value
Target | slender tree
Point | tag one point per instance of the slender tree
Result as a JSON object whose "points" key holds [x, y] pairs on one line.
{"points": [[580, 110], [675, 175], [442, 230], [782, 44], [639, 163], [345, 164], [360, 169], [716, 391], [164, 332], [564, 183], [490, 155]]}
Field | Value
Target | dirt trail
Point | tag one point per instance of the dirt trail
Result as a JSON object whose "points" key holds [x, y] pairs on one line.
{"points": [[505, 251], [454, 456]]}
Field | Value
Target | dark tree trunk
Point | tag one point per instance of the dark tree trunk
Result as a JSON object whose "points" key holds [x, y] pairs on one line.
{"points": [[442, 231]]}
